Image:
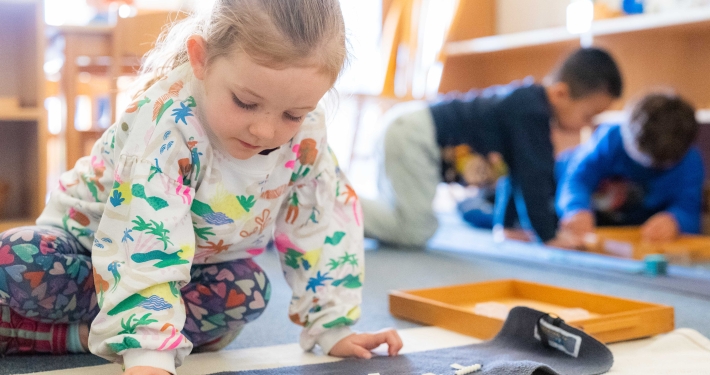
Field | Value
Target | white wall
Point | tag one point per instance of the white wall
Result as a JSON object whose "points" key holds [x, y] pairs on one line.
{"points": [[159, 4], [524, 15]]}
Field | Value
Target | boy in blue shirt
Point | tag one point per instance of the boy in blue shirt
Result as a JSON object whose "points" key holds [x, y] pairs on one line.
{"points": [[474, 137], [645, 172]]}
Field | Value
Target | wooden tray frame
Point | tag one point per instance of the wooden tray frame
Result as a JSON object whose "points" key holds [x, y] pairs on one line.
{"points": [[620, 320], [626, 242]]}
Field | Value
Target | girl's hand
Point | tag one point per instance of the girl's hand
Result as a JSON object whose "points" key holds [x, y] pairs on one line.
{"points": [[145, 370], [360, 344]]}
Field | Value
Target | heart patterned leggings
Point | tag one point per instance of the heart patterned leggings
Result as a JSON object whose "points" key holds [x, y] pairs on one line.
{"points": [[46, 275]]}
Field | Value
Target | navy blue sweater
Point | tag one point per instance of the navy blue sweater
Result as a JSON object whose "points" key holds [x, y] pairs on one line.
{"points": [[513, 120], [677, 190]]}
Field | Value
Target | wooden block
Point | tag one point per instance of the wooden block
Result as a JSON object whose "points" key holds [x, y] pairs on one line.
{"points": [[610, 319]]}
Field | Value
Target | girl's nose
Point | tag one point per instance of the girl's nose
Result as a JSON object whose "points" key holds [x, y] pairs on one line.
{"points": [[264, 128]]}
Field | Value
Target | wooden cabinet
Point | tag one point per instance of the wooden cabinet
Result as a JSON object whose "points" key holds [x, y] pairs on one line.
{"points": [[652, 50], [22, 115]]}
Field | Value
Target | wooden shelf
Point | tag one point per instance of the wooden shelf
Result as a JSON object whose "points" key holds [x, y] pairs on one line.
{"points": [[653, 51], [82, 29], [22, 114], [23, 144], [685, 20]]}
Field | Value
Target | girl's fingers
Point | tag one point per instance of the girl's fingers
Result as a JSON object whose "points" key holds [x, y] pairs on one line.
{"points": [[361, 352], [394, 342], [398, 344]]}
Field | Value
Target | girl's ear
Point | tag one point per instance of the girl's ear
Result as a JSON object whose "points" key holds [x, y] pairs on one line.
{"points": [[197, 53]]}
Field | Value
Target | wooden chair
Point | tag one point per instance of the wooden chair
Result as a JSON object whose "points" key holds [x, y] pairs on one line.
{"points": [[130, 39]]}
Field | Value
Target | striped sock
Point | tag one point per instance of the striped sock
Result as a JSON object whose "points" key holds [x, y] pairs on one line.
{"points": [[23, 335]]}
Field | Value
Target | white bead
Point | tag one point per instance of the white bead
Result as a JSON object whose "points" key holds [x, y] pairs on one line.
{"points": [[468, 369]]}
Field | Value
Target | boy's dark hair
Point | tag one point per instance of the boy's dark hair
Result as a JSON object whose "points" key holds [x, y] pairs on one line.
{"points": [[665, 127], [588, 71]]}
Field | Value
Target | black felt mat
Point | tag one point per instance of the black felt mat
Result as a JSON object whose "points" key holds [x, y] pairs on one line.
{"points": [[514, 351]]}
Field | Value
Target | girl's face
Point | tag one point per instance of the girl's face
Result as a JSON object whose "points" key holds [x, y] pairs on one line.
{"points": [[251, 107]]}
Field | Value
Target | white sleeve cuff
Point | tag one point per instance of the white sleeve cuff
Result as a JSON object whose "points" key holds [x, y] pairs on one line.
{"points": [[329, 338], [154, 358]]}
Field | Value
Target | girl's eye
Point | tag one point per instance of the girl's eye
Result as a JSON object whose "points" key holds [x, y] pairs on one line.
{"points": [[292, 117], [241, 104]]}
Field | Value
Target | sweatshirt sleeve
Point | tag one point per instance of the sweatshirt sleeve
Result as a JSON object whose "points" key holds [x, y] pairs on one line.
{"points": [[531, 163], [319, 236], [143, 253], [586, 167], [686, 201]]}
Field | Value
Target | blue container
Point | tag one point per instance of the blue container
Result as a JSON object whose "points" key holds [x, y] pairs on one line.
{"points": [[655, 264], [633, 6]]}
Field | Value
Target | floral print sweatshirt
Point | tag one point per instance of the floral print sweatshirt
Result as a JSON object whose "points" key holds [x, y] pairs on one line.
{"points": [[158, 194]]}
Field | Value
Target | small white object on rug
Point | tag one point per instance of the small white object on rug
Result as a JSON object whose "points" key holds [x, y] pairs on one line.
{"points": [[468, 369]]}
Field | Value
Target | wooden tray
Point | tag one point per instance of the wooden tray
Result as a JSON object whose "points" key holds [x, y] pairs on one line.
{"points": [[611, 319], [626, 242]]}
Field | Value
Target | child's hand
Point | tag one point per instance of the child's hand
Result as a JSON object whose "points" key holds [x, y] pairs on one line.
{"points": [[501, 234], [660, 227], [567, 240], [145, 370], [360, 344], [579, 224]]}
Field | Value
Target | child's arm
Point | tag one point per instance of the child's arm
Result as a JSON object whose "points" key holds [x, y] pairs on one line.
{"points": [[686, 192], [319, 236], [142, 257], [531, 164], [586, 167]]}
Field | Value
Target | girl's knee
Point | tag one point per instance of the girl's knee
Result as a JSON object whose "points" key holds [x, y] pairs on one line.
{"points": [[222, 301], [240, 290]]}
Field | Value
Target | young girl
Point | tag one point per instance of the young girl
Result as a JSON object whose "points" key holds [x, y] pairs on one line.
{"points": [[150, 238]]}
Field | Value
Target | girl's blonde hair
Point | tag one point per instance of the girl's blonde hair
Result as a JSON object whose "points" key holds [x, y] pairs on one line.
{"points": [[275, 33]]}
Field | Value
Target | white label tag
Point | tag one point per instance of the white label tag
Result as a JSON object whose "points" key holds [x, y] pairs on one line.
{"points": [[560, 339]]}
